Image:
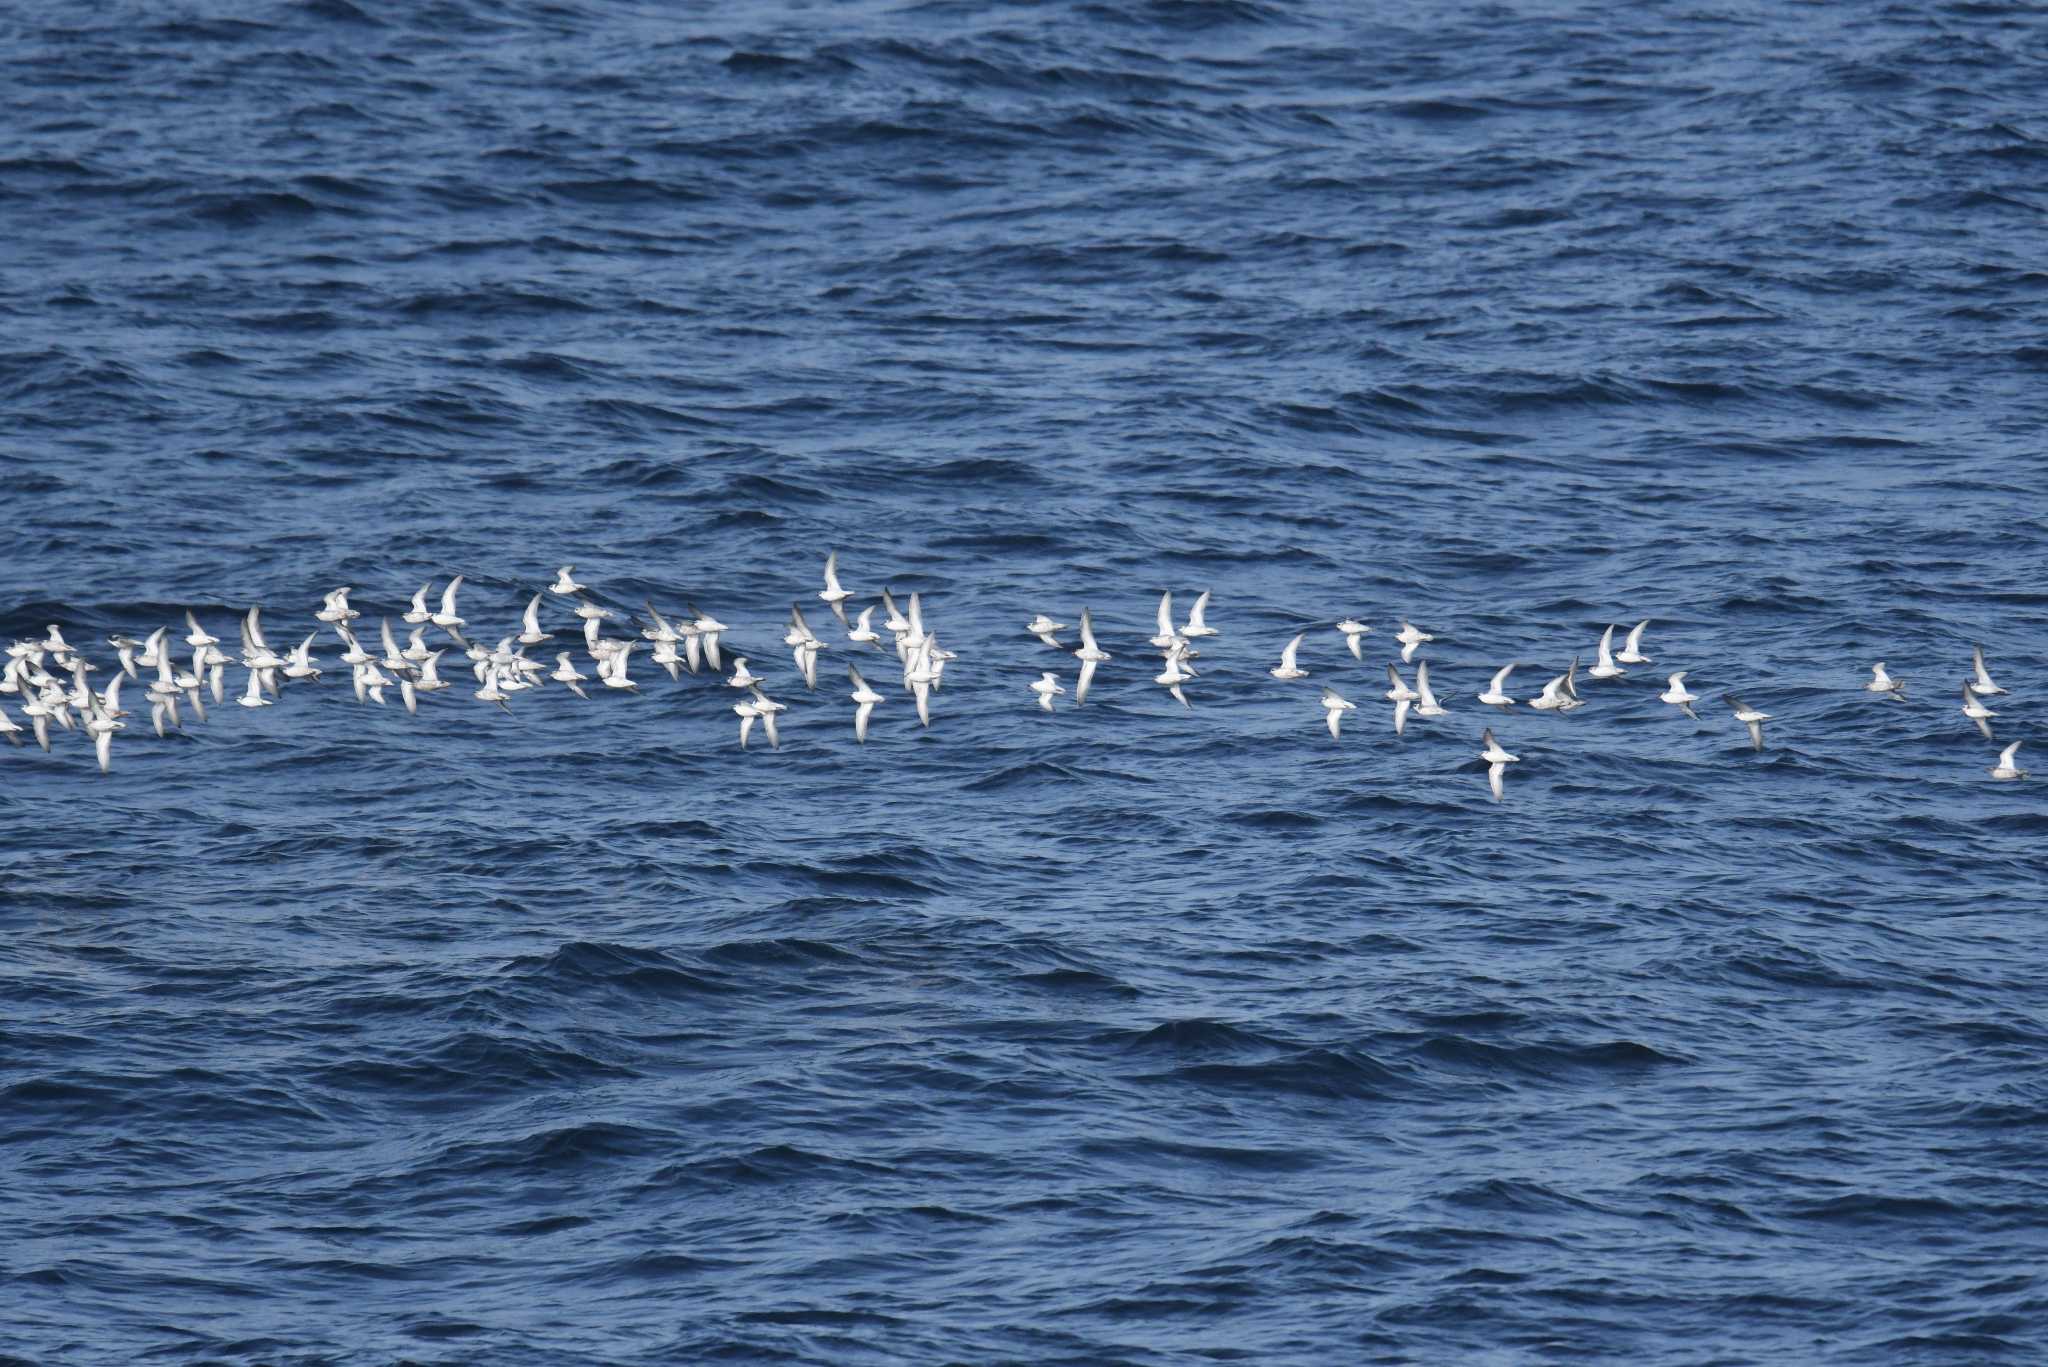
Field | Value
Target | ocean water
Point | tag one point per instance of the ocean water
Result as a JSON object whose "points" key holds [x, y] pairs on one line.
{"points": [[1128, 1034]]}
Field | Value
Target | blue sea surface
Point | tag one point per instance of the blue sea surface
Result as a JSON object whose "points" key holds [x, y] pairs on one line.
{"points": [[1125, 1034]]}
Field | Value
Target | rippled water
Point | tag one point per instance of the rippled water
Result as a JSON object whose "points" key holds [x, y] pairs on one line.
{"points": [[1121, 1035]]}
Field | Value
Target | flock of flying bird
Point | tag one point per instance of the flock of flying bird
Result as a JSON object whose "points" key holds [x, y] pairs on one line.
{"points": [[1560, 695], [36, 670]]}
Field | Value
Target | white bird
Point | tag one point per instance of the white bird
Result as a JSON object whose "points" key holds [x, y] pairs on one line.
{"points": [[939, 657], [1411, 640], [335, 608], [765, 708], [1495, 694], [918, 676], [1355, 632], [686, 631], [1090, 655], [370, 682], [1604, 667], [1287, 668], [1749, 717], [189, 683], [103, 742], [1976, 711], [799, 632], [1167, 635], [567, 673], [1334, 708], [1493, 754], [393, 660], [446, 618], [804, 644], [893, 621], [2005, 768], [742, 677], [353, 655], [708, 629], [1678, 697], [914, 633], [419, 614], [300, 663], [864, 699], [38, 713], [430, 680], [533, 635], [108, 702], [1426, 704], [163, 707], [1197, 626], [863, 632], [1402, 697], [1561, 694], [1047, 687], [1632, 648], [12, 730], [1172, 677], [747, 713], [1043, 627], [665, 636], [197, 637], [253, 697], [564, 584], [835, 597], [1497, 762], [104, 722], [1885, 684], [593, 625], [1982, 683], [613, 670]]}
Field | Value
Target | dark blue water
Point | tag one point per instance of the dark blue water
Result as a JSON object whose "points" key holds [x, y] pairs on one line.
{"points": [[1123, 1035]]}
